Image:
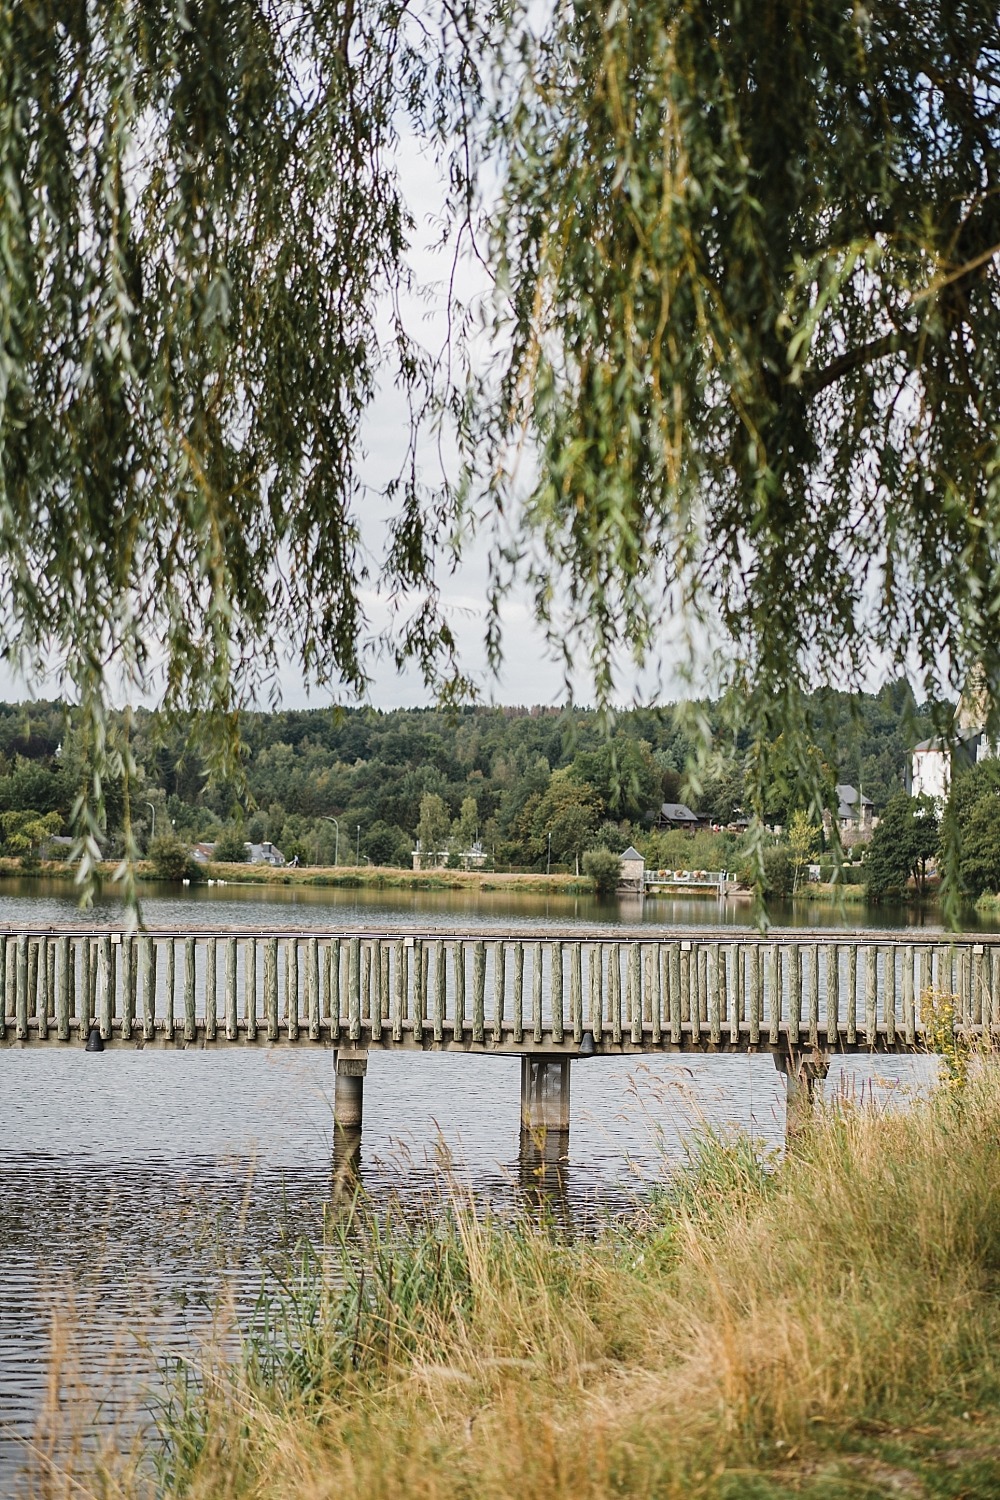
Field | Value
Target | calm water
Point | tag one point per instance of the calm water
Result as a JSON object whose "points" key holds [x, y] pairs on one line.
{"points": [[140, 1190]]}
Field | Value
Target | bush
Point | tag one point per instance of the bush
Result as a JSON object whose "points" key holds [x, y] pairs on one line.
{"points": [[778, 872], [172, 861], [604, 869], [230, 847]]}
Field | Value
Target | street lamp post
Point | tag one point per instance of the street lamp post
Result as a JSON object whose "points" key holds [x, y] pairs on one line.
{"points": [[336, 842], [152, 831], [548, 862], [357, 851]]}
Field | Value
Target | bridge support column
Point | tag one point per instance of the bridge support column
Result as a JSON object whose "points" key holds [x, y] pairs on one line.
{"points": [[349, 1090], [801, 1072], [545, 1094]]}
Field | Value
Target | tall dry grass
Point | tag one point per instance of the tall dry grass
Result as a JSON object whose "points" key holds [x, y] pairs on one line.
{"points": [[758, 1313]]}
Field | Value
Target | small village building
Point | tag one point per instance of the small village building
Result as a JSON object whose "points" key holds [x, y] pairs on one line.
{"points": [[472, 858], [264, 854], [933, 761], [855, 811], [676, 815], [633, 871]]}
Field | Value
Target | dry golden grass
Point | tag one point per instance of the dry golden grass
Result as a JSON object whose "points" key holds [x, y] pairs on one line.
{"points": [[822, 1328]]}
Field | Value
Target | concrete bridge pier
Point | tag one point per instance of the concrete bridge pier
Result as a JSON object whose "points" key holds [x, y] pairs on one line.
{"points": [[545, 1095], [803, 1073], [349, 1090]]}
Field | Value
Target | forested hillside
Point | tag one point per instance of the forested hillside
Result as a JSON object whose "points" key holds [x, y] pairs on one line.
{"points": [[514, 778]]}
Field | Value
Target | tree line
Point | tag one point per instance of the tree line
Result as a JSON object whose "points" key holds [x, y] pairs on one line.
{"points": [[535, 787]]}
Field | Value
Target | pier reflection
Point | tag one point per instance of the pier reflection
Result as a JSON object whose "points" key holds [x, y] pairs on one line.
{"points": [[543, 1175], [345, 1174]]}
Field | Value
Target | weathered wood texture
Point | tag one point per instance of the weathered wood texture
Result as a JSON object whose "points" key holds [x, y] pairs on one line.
{"points": [[632, 992]]}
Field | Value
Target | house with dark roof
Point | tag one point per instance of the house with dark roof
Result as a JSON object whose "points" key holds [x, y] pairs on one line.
{"points": [[677, 815], [854, 810]]}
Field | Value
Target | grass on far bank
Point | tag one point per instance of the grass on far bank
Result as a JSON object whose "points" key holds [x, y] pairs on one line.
{"points": [[828, 1326]]}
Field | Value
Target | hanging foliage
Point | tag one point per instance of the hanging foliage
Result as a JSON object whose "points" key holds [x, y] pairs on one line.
{"points": [[739, 366]]}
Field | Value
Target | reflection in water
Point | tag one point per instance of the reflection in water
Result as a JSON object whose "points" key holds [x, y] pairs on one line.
{"points": [[543, 1174]]}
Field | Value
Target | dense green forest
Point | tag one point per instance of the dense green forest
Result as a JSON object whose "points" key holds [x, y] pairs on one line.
{"points": [[534, 785]]}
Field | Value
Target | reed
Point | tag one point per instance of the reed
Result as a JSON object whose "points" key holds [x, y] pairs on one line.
{"points": [[825, 1324]]}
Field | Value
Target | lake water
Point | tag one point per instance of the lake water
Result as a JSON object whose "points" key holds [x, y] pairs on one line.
{"points": [[141, 1189]]}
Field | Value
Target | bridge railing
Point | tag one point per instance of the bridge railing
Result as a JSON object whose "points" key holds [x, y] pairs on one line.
{"points": [[630, 991]]}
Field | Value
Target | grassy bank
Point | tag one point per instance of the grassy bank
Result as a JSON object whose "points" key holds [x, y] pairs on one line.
{"points": [[348, 877], [828, 1328]]}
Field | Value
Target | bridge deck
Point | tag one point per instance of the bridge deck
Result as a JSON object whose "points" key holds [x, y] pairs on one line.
{"points": [[533, 994]]}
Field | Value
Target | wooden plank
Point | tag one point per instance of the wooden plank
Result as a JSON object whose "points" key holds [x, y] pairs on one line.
{"points": [[852, 994], [995, 990], [479, 991], [814, 994], [425, 966], [576, 990], [518, 993], [499, 988], [334, 1000], [50, 976], [147, 963], [650, 989], [440, 990], [211, 989], [42, 964], [795, 994], [104, 990], [774, 994], [312, 985], [458, 1021], [871, 994], [674, 995], [889, 994], [615, 992], [536, 993], [978, 986], [271, 1020], [21, 990], [375, 990], [190, 1017], [291, 986], [556, 991], [232, 1021], [250, 987], [596, 966], [909, 1014], [714, 1016], [689, 988], [32, 977], [63, 969], [170, 981], [657, 963], [366, 982], [354, 989], [685, 983], [832, 996], [754, 987], [399, 985], [635, 991]]}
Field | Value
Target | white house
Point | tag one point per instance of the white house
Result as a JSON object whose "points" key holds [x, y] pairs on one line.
{"points": [[931, 762]]}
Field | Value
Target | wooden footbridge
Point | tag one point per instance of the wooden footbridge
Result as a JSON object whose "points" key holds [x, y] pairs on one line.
{"points": [[547, 997]]}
